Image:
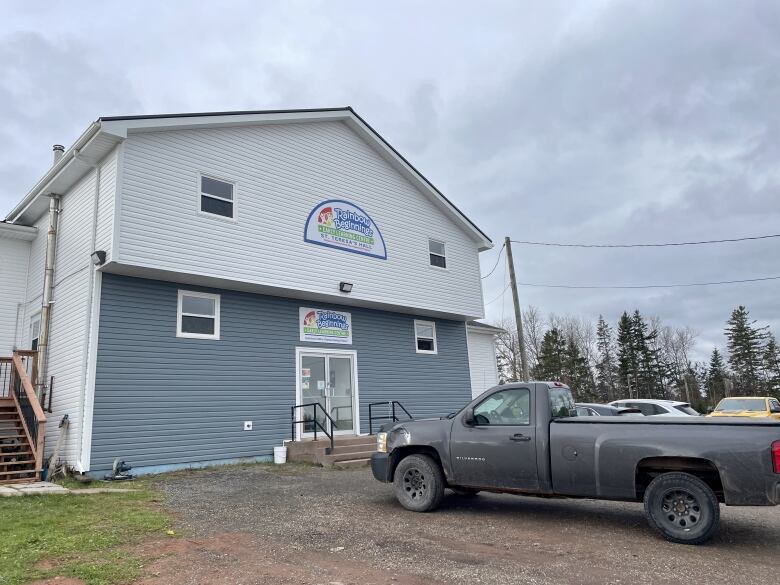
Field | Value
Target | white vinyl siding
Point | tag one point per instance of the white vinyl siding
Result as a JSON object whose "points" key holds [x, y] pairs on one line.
{"points": [[70, 310], [482, 361], [14, 255], [284, 171]]}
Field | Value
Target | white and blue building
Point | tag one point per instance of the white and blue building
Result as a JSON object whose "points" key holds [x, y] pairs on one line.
{"points": [[211, 271]]}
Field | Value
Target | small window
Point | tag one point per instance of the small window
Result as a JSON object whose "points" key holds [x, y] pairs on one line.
{"points": [[508, 407], [35, 332], [216, 197], [562, 403], [425, 336], [198, 315], [437, 254]]}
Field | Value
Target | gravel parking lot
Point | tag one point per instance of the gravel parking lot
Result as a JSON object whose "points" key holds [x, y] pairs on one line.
{"points": [[260, 524]]}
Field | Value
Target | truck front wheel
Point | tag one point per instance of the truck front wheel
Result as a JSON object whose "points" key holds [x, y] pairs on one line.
{"points": [[418, 483], [682, 508]]}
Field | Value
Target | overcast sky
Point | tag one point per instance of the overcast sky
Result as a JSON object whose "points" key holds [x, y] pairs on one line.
{"points": [[602, 121]]}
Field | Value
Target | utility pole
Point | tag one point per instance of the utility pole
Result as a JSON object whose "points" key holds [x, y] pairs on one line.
{"points": [[518, 314]]}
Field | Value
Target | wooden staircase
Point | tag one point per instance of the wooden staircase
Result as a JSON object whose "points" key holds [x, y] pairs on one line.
{"points": [[22, 420], [17, 460], [347, 453]]}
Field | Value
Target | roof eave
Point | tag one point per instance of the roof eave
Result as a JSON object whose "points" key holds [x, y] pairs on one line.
{"points": [[40, 187]]}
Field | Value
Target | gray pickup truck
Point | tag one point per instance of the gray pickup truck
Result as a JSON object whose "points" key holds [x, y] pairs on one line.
{"points": [[526, 439]]}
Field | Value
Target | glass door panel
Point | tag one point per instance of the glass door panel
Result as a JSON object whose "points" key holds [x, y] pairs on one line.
{"points": [[313, 390], [340, 389]]}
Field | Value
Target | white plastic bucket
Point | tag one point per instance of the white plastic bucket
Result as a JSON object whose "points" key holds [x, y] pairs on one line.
{"points": [[280, 455]]}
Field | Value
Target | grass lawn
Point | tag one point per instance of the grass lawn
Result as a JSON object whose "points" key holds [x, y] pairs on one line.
{"points": [[77, 535]]}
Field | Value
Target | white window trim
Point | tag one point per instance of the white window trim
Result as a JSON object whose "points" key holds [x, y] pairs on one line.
{"points": [[446, 263], [416, 337], [192, 293], [201, 194]]}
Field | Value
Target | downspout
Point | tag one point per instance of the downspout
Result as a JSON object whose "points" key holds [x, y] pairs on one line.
{"points": [[88, 337], [46, 300]]}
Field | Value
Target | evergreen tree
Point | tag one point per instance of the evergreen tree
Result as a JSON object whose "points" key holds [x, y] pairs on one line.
{"points": [[577, 374], [552, 357], [746, 351], [649, 376], [627, 358], [606, 366], [772, 366], [715, 380]]}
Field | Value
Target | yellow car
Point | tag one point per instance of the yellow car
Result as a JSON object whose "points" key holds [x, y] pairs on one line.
{"points": [[752, 406]]}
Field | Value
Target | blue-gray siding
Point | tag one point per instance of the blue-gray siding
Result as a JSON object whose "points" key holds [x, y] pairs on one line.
{"points": [[164, 400]]}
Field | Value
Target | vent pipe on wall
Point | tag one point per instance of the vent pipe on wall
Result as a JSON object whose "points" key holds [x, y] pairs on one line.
{"points": [[58, 150], [46, 301]]}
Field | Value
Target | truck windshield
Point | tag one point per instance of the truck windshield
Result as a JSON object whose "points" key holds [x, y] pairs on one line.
{"points": [[735, 404], [562, 403]]}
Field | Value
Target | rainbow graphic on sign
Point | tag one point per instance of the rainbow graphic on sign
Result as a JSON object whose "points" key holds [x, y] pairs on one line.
{"points": [[345, 226], [325, 326]]}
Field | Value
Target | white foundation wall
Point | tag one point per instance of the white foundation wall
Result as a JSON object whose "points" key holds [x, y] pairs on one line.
{"points": [[482, 361], [79, 222], [14, 257]]}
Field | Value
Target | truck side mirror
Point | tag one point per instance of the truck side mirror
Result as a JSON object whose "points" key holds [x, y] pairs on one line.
{"points": [[468, 417]]}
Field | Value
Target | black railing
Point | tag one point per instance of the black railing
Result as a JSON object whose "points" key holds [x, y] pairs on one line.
{"points": [[27, 410], [391, 413], [313, 422]]}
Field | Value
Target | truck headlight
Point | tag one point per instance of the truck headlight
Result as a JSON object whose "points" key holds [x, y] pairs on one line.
{"points": [[381, 442]]}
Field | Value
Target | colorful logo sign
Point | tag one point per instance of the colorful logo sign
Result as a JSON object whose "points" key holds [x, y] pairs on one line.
{"points": [[343, 225], [323, 326]]}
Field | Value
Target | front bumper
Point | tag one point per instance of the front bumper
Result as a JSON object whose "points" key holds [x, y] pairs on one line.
{"points": [[380, 466]]}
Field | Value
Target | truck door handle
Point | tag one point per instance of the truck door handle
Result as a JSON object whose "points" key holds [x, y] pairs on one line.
{"points": [[519, 437]]}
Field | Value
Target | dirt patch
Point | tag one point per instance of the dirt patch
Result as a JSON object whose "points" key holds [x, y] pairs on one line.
{"points": [[244, 558]]}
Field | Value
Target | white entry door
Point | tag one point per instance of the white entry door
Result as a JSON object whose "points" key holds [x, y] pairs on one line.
{"points": [[328, 378]]}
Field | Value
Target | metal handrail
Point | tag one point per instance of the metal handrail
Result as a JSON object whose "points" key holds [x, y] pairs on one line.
{"points": [[391, 404], [316, 422]]}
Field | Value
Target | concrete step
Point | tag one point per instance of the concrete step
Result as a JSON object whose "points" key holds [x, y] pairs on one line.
{"points": [[352, 463], [359, 448], [329, 459]]}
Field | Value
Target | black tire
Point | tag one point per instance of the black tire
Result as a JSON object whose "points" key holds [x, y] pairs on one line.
{"points": [[418, 483], [682, 508], [464, 491]]}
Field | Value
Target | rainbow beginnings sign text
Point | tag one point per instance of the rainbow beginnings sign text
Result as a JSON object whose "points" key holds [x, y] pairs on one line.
{"points": [[343, 225]]}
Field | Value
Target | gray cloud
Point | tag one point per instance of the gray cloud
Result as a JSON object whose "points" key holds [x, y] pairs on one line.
{"points": [[602, 121]]}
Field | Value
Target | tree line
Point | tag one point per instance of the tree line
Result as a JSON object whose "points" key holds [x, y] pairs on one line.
{"points": [[637, 357]]}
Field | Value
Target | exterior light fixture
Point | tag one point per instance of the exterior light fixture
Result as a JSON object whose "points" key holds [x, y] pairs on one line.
{"points": [[98, 257], [345, 287]]}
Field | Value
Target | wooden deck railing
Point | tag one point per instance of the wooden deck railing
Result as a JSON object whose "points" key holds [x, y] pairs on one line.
{"points": [[27, 404]]}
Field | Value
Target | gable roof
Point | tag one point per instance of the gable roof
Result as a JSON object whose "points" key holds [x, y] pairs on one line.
{"points": [[103, 134]]}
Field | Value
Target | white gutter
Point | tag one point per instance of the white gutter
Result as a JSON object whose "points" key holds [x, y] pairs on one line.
{"points": [[42, 185]]}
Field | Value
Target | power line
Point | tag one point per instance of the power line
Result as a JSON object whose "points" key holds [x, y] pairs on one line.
{"points": [[761, 279], [498, 297], [661, 245], [498, 259]]}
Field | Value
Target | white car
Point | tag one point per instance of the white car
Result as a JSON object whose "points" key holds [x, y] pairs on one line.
{"points": [[657, 407]]}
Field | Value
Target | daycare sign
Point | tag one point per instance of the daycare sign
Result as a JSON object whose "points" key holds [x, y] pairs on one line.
{"points": [[343, 225], [323, 326]]}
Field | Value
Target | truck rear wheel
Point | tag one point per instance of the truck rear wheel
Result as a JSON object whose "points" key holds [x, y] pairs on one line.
{"points": [[682, 508], [418, 483]]}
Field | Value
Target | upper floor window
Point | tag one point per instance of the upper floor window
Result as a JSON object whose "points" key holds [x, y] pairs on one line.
{"points": [[425, 336], [197, 315], [216, 197], [35, 332], [437, 253]]}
